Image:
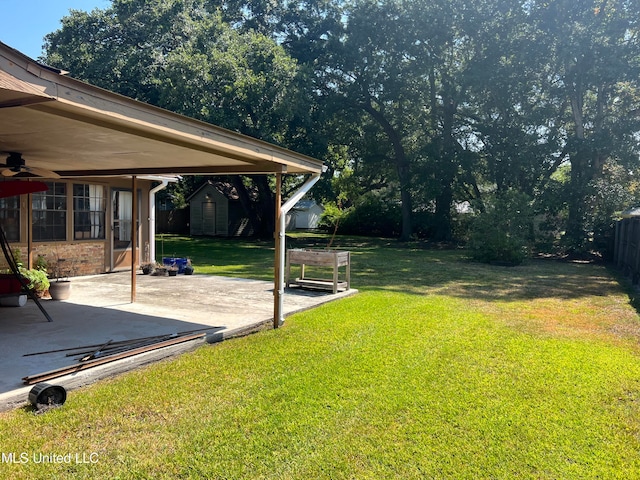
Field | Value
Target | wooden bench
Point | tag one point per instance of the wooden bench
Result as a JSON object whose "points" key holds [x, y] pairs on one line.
{"points": [[322, 258]]}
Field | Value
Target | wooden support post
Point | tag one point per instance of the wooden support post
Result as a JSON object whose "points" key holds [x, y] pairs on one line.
{"points": [[134, 236], [279, 238], [29, 232], [281, 212]]}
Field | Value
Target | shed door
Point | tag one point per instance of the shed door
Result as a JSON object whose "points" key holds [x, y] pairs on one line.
{"points": [[209, 218]]}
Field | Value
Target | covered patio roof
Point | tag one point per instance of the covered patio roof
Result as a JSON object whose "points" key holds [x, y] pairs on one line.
{"points": [[75, 129]]}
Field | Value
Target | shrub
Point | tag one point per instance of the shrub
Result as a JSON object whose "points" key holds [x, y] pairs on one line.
{"points": [[37, 278], [373, 215], [502, 232]]}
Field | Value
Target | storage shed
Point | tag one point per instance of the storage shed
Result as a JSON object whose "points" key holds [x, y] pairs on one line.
{"points": [[304, 215], [209, 211]]}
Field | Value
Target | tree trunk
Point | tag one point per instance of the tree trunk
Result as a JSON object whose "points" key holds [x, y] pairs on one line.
{"points": [[266, 206], [442, 230], [586, 165], [402, 168], [444, 199], [575, 233], [245, 201]]}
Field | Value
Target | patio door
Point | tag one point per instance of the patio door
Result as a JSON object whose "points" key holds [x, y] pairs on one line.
{"points": [[209, 218], [121, 227]]}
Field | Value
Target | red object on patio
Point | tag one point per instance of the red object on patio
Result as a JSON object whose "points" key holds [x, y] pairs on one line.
{"points": [[15, 187], [9, 189], [9, 284]]}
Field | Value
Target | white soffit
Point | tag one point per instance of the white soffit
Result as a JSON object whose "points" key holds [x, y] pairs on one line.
{"points": [[61, 124]]}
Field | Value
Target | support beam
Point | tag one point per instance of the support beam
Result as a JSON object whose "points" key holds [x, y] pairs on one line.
{"points": [[281, 215], [29, 232], [152, 219], [134, 236], [278, 261], [246, 169]]}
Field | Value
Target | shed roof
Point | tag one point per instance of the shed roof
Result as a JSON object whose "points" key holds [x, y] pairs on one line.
{"points": [[209, 184], [632, 212], [306, 205], [76, 129]]}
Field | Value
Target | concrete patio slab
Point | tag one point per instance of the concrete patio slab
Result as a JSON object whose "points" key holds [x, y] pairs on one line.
{"points": [[100, 310]]}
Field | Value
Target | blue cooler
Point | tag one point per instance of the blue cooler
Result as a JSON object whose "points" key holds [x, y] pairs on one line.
{"points": [[175, 262]]}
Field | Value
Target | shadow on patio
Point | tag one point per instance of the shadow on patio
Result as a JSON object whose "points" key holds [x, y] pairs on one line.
{"points": [[99, 310]]}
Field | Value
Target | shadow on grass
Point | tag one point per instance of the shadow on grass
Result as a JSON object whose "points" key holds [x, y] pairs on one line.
{"points": [[451, 273], [418, 268]]}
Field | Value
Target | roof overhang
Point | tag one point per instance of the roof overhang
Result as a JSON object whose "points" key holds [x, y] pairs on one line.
{"points": [[76, 129]]}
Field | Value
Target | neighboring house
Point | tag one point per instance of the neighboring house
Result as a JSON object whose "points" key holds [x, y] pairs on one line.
{"points": [[304, 215]]}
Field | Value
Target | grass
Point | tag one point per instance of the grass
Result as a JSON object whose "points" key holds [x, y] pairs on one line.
{"points": [[439, 368], [228, 257]]}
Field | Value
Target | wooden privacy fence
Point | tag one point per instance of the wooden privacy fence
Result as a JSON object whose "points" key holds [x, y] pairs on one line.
{"points": [[627, 247]]}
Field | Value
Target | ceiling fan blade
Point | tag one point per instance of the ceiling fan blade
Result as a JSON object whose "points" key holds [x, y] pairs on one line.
{"points": [[41, 172], [15, 165]]}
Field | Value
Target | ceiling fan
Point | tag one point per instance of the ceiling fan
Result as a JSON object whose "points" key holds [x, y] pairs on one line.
{"points": [[15, 164]]}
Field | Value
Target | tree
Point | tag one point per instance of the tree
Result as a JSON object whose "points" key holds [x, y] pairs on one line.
{"points": [[427, 104], [592, 81], [178, 55], [362, 67], [502, 233]]}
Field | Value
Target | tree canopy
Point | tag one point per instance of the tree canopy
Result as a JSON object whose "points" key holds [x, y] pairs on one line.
{"points": [[418, 105]]}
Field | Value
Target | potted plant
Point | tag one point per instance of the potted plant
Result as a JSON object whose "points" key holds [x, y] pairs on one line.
{"points": [[38, 281], [61, 288], [148, 268], [172, 270], [37, 278], [159, 270], [188, 269]]}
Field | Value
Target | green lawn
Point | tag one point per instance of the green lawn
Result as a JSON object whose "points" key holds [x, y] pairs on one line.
{"points": [[439, 368]]}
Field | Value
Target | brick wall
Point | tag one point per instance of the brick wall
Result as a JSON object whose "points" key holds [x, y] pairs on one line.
{"points": [[81, 258]]}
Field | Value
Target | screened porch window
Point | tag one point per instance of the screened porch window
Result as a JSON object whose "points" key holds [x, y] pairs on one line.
{"points": [[10, 218], [50, 213], [122, 218], [89, 211]]}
